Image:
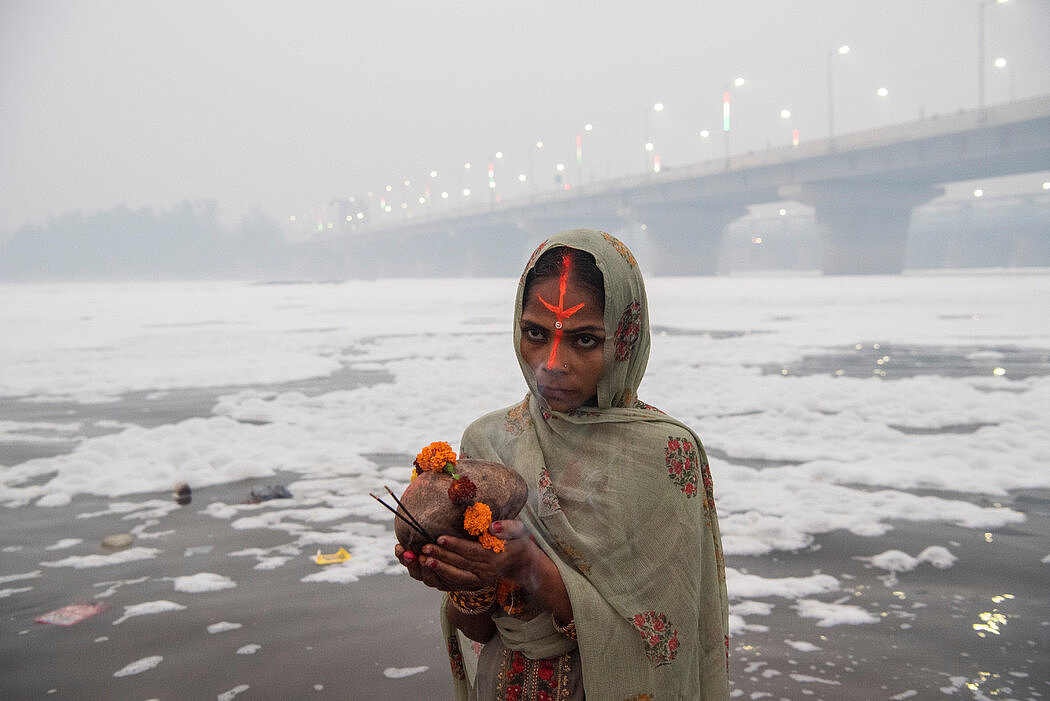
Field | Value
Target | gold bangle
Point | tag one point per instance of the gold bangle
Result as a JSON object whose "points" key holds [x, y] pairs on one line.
{"points": [[568, 630], [473, 602]]}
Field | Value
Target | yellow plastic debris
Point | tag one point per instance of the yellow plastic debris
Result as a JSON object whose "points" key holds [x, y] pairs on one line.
{"points": [[340, 555]]}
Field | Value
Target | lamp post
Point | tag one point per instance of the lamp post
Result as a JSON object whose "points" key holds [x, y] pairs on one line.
{"points": [[649, 141], [705, 135], [579, 153], [1003, 63], [883, 95], [785, 114], [538, 147], [980, 49], [737, 82], [842, 51]]}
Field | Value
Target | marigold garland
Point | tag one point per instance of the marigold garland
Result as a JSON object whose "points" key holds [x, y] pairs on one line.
{"points": [[491, 542], [477, 518], [438, 456]]}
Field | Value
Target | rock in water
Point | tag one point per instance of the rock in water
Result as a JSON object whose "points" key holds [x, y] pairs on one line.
{"points": [[502, 489]]}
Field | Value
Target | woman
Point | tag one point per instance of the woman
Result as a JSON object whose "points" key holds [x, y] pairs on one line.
{"points": [[617, 554]]}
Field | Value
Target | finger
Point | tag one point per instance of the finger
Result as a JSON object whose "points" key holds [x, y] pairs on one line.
{"points": [[511, 529], [453, 577], [461, 548]]}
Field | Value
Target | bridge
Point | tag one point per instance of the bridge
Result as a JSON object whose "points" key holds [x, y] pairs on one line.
{"points": [[862, 187]]}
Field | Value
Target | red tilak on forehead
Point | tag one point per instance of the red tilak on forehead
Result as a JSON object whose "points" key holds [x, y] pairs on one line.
{"points": [[560, 312]]}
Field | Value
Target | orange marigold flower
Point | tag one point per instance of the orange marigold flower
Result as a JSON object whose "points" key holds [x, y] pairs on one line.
{"points": [[491, 542], [477, 518], [436, 457]]}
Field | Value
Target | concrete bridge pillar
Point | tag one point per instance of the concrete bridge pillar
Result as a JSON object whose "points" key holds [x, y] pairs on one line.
{"points": [[863, 227], [685, 239]]}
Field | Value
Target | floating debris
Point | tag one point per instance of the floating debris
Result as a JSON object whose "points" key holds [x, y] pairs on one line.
{"points": [[118, 541], [68, 615], [340, 555], [183, 494], [268, 492]]}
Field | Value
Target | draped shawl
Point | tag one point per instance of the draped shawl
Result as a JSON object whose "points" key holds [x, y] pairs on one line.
{"points": [[620, 498]]}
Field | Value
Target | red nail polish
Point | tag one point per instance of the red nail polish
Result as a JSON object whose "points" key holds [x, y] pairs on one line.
{"points": [[497, 527], [409, 555]]}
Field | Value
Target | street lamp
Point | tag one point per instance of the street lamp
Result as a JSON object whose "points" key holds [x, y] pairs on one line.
{"points": [[786, 115], [980, 49], [841, 51], [705, 134], [656, 108], [587, 128], [737, 82], [883, 95], [1003, 63], [539, 147]]}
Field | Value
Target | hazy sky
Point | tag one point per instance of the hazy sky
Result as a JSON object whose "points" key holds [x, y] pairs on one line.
{"points": [[289, 105]]}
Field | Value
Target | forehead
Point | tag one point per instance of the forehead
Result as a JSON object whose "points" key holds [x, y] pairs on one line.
{"points": [[549, 289]]}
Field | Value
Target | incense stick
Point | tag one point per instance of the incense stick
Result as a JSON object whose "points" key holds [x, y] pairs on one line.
{"points": [[411, 524], [409, 514]]}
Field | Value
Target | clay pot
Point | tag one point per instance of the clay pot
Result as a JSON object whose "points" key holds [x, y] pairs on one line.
{"points": [[502, 489]]}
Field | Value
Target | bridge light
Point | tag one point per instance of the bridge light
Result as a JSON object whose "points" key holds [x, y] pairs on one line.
{"points": [[704, 133], [882, 92], [658, 107], [738, 82], [978, 192], [843, 49]]}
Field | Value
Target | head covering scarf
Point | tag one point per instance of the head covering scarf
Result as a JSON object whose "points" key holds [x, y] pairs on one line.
{"points": [[620, 498]]}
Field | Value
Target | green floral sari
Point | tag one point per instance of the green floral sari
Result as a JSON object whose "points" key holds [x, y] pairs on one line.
{"points": [[621, 499]]}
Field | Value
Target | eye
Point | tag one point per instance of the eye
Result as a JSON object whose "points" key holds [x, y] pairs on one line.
{"points": [[588, 342], [534, 334]]}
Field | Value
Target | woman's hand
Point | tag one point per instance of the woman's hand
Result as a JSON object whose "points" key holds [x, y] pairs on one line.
{"points": [[417, 570], [466, 565]]}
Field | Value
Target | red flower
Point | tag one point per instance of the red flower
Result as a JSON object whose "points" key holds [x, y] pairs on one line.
{"points": [[674, 445], [639, 620], [517, 665]]}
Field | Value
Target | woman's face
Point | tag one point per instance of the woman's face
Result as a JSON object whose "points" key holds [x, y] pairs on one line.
{"points": [[561, 340]]}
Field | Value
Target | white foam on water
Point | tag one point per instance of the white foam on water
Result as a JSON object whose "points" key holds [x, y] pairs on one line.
{"points": [[233, 693], [148, 608], [202, 582], [834, 614], [223, 627], [843, 453], [139, 666], [402, 672], [79, 562]]}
